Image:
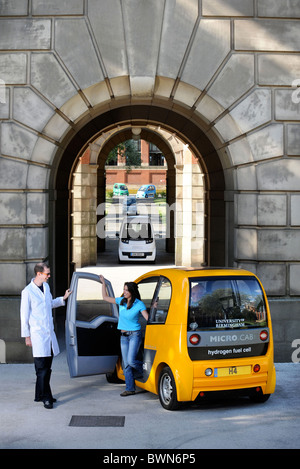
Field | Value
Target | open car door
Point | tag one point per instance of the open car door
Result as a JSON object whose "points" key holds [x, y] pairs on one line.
{"points": [[92, 338]]}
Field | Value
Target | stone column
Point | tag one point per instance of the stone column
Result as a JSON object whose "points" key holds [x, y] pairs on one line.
{"points": [[189, 237], [84, 191]]}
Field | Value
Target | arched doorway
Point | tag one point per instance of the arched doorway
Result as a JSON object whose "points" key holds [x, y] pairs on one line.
{"points": [[89, 195], [137, 115]]}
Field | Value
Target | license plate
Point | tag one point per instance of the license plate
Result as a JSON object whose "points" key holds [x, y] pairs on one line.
{"points": [[232, 371], [137, 254]]}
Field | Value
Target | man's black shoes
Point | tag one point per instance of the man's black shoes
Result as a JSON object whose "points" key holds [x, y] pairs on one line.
{"points": [[40, 400], [48, 405]]}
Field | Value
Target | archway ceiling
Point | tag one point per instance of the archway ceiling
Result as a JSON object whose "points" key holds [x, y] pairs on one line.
{"points": [[142, 115], [168, 143]]}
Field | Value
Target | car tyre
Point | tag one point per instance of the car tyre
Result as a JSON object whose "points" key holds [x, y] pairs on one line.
{"points": [[259, 398], [167, 390], [113, 378]]}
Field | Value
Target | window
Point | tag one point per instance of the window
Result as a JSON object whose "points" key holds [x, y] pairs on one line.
{"points": [[89, 302], [147, 288], [161, 302], [156, 294], [226, 303], [136, 231], [156, 158]]}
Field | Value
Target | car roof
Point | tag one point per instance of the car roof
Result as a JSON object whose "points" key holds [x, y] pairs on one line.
{"points": [[187, 272], [137, 218]]}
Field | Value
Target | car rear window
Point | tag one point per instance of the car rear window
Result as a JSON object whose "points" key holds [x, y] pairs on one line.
{"points": [[130, 201], [218, 303], [136, 231]]}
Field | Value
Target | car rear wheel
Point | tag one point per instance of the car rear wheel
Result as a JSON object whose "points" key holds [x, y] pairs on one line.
{"points": [[167, 390], [113, 378]]}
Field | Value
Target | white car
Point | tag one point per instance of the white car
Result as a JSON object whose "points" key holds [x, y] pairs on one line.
{"points": [[136, 240], [129, 205]]}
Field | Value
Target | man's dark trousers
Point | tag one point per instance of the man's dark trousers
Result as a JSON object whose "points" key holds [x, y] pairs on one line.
{"points": [[43, 374]]}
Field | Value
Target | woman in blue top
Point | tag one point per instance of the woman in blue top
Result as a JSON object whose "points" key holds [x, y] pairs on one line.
{"points": [[130, 308]]}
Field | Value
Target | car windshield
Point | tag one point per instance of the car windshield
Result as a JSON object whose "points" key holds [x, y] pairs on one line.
{"points": [[143, 188], [130, 201], [136, 231], [226, 303], [123, 188]]}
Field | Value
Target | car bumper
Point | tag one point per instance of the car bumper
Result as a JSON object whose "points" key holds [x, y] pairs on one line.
{"points": [[136, 256], [224, 379]]}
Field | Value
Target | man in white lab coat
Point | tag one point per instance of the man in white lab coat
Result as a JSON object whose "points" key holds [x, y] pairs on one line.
{"points": [[38, 329]]}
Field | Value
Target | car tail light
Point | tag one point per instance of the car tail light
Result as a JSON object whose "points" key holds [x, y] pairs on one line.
{"points": [[264, 335], [194, 339], [256, 368]]}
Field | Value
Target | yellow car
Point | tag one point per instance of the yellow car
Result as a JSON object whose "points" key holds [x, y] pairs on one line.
{"points": [[208, 330]]}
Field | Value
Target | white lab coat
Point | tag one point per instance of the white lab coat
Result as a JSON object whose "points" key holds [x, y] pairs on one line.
{"points": [[37, 320]]}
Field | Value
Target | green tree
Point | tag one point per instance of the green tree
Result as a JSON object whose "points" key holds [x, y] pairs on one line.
{"points": [[127, 150]]}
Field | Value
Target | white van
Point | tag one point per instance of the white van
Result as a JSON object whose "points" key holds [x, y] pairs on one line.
{"points": [[136, 240]]}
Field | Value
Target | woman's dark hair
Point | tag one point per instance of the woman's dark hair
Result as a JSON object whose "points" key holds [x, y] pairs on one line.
{"points": [[135, 294]]}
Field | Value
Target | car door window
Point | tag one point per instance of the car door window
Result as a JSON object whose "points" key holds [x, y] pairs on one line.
{"points": [[156, 295], [161, 302], [96, 333], [89, 301], [147, 289]]}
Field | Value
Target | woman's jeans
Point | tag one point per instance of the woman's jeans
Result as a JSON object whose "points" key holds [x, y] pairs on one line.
{"points": [[132, 367]]}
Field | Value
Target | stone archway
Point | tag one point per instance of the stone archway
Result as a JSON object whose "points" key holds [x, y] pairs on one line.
{"points": [[184, 203], [214, 246]]}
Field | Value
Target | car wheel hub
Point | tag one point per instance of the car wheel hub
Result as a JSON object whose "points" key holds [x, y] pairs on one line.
{"points": [[166, 389]]}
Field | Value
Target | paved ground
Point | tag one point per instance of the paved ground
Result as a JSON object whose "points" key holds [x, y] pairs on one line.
{"points": [[231, 424], [220, 424]]}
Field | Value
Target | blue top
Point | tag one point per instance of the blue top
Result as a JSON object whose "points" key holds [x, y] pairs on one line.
{"points": [[129, 318]]}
